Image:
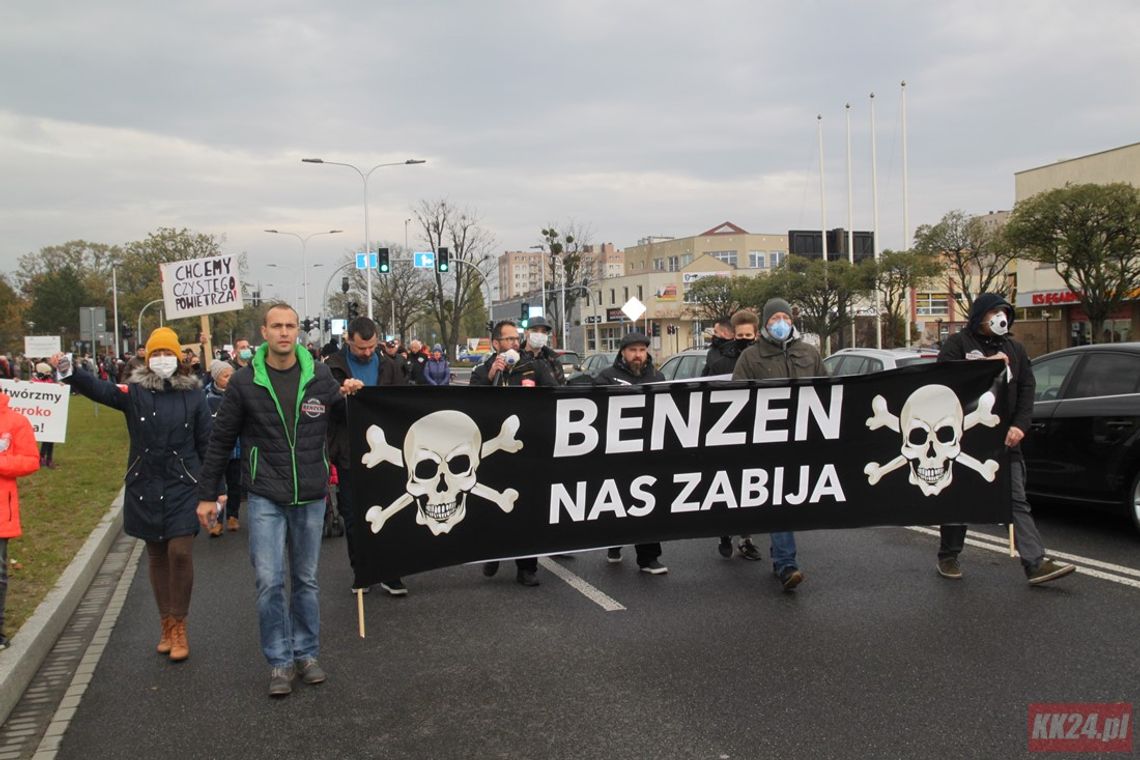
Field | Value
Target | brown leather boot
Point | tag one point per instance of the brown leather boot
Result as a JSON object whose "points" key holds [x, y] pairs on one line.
{"points": [[179, 647], [164, 643]]}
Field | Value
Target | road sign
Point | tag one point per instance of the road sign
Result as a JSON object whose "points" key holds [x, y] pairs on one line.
{"points": [[92, 319], [366, 260], [593, 320], [633, 309], [423, 259]]}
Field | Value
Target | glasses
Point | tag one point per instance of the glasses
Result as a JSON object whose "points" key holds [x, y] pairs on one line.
{"points": [[511, 339]]}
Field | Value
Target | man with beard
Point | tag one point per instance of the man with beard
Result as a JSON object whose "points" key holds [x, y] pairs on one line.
{"points": [[242, 354], [506, 368], [634, 366]]}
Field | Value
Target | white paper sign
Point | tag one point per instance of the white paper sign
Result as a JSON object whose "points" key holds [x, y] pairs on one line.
{"points": [[633, 309], [195, 287], [44, 404], [41, 346]]}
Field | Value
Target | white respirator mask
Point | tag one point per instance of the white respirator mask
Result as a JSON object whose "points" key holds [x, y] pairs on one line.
{"points": [[999, 323], [537, 339], [163, 366]]}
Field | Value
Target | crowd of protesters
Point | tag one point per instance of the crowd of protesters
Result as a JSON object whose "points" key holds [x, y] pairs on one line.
{"points": [[206, 436]]}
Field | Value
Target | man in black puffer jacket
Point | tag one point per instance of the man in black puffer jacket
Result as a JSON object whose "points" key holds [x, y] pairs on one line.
{"points": [[634, 366], [280, 406], [986, 336]]}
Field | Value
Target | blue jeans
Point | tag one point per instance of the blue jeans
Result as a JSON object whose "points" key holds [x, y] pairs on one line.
{"points": [[289, 630], [783, 551]]}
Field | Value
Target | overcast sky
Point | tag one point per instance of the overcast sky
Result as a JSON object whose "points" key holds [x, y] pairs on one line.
{"points": [[635, 118]]}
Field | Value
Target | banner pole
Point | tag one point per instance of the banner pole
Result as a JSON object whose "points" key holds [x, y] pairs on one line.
{"points": [[360, 610], [207, 348], [1012, 553]]}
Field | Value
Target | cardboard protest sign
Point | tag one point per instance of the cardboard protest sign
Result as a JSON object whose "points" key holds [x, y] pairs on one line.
{"points": [[197, 287]]}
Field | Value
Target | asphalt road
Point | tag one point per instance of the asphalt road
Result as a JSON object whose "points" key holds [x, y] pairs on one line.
{"points": [[874, 656]]}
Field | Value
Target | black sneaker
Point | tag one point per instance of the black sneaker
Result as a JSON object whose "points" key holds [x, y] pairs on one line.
{"points": [[1049, 570], [654, 568], [5, 642], [790, 577], [948, 567], [394, 587], [748, 550], [526, 578], [281, 681], [725, 547], [613, 556], [490, 568], [310, 671]]}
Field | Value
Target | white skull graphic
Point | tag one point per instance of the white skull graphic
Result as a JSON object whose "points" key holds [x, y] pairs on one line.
{"points": [[441, 454], [931, 428]]}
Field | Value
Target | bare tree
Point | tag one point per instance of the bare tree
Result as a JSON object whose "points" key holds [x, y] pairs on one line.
{"points": [[469, 245], [975, 253], [571, 266]]}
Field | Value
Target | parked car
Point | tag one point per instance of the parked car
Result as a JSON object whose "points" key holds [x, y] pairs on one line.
{"points": [[864, 361], [595, 363], [569, 359], [1083, 446], [685, 365]]}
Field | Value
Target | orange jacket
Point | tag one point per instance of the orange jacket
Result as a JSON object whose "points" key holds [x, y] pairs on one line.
{"points": [[19, 456]]}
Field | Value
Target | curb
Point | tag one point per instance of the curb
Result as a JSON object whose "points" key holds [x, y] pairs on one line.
{"points": [[37, 636]]}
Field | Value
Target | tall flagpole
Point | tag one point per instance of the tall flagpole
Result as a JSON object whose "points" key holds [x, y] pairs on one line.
{"points": [[850, 214], [906, 212], [875, 223], [822, 212]]}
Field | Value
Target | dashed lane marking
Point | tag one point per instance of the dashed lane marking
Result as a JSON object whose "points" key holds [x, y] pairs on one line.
{"points": [[591, 592]]}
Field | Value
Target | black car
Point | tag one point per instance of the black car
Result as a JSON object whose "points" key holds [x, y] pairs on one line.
{"points": [[1084, 442]]}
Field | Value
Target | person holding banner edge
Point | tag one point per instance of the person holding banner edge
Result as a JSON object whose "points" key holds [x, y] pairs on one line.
{"points": [[280, 407], [357, 359], [634, 366], [780, 353], [506, 368], [986, 336]]}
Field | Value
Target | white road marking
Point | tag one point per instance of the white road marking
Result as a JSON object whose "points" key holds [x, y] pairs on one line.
{"points": [[1084, 565], [593, 593], [53, 736]]}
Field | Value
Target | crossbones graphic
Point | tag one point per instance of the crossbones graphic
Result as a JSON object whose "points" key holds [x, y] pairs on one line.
{"points": [[442, 452], [931, 426]]}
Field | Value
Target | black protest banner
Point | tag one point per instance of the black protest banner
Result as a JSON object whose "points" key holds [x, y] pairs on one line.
{"points": [[458, 474]]}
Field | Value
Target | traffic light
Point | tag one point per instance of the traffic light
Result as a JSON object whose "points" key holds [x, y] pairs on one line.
{"points": [[656, 329], [441, 260], [353, 310], [328, 325], [344, 284], [385, 261], [524, 315], [255, 296], [306, 324], [490, 326]]}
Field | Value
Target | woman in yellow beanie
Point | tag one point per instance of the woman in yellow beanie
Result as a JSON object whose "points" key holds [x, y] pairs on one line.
{"points": [[169, 426]]}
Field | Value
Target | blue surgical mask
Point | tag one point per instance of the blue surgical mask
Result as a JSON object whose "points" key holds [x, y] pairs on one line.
{"points": [[245, 353], [780, 329]]}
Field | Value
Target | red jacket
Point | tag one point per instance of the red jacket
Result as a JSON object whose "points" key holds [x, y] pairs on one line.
{"points": [[19, 456]]}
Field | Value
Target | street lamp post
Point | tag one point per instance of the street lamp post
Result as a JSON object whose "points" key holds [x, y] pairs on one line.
{"points": [[364, 181], [304, 265]]}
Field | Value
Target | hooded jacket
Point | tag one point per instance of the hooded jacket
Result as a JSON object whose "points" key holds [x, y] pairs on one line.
{"points": [[436, 372], [768, 358], [722, 357], [1022, 384], [620, 373], [169, 426], [285, 465], [19, 456]]}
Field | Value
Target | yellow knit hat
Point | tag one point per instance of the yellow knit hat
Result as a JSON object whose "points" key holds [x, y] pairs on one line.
{"points": [[163, 337]]}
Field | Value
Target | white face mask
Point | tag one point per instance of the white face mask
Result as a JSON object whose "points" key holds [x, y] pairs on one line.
{"points": [[536, 339], [999, 323], [163, 366]]}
